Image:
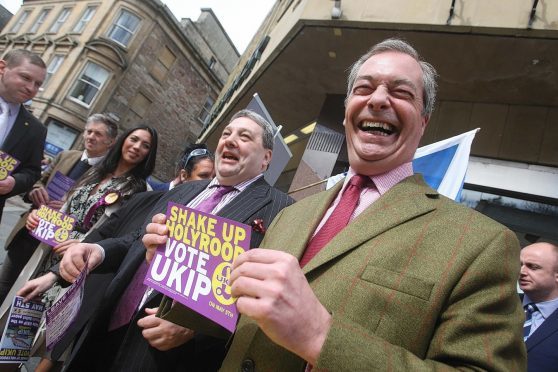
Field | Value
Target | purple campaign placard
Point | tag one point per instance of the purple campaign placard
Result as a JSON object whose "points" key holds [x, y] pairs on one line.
{"points": [[54, 226], [7, 164], [194, 266], [59, 186]]}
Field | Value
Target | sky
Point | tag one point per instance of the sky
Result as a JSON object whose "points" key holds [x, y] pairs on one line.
{"points": [[239, 18]]}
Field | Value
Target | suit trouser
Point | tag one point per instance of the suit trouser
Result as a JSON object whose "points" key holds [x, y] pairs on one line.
{"points": [[20, 250]]}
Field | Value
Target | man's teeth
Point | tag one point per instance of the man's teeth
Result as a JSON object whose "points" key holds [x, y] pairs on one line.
{"points": [[383, 128]]}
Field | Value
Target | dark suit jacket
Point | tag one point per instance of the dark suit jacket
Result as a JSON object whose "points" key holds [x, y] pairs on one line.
{"points": [[25, 142], [415, 283], [542, 346], [259, 200]]}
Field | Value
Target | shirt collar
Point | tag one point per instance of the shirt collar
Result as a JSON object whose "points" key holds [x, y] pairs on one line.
{"points": [[546, 308], [91, 161], [239, 187], [12, 107], [385, 181]]}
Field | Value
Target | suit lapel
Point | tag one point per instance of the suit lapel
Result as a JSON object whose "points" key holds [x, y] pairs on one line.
{"points": [[548, 327], [19, 129], [247, 202], [401, 203]]}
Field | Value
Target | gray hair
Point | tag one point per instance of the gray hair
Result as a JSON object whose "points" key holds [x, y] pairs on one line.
{"points": [[267, 129], [429, 73], [112, 128]]}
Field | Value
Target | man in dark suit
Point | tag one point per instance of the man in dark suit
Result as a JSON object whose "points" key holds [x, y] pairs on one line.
{"points": [[538, 279], [147, 342], [99, 135], [21, 134], [380, 272]]}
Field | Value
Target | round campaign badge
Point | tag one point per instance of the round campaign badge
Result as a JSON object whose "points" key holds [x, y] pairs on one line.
{"points": [[111, 198]]}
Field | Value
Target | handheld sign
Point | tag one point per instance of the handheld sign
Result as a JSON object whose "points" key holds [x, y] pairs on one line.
{"points": [[7, 165], [194, 266], [54, 226], [59, 186], [21, 327]]}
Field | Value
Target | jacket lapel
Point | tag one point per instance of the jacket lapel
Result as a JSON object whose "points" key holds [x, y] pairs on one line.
{"points": [[247, 202], [406, 200], [548, 327]]}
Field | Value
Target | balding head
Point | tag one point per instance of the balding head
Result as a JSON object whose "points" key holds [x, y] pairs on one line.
{"points": [[538, 277]]}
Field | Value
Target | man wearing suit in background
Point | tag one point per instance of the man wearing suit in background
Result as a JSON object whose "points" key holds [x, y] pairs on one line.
{"points": [[149, 343], [538, 279], [381, 272], [98, 137], [21, 134]]}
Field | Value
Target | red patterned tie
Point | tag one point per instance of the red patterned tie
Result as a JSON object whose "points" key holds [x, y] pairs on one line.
{"points": [[338, 219]]}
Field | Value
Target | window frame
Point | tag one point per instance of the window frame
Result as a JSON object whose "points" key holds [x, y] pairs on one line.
{"points": [[206, 112], [88, 83], [57, 24], [116, 25], [49, 72], [82, 21], [20, 21], [40, 20]]}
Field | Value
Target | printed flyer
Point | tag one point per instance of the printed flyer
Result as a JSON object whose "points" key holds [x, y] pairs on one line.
{"points": [[21, 327], [59, 186], [7, 165], [194, 266], [54, 226], [62, 313]]}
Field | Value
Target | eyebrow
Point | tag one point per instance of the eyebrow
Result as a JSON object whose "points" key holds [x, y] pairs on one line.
{"points": [[395, 82]]}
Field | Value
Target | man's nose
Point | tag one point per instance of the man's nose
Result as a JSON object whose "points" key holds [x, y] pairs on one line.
{"points": [[379, 98]]}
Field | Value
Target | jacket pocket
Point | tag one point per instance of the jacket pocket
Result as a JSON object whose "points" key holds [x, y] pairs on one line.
{"points": [[398, 282]]}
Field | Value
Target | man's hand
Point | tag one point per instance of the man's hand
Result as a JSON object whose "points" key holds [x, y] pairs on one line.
{"points": [[55, 204], [32, 220], [39, 196], [7, 185], [162, 334], [157, 234], [73, 261], [37, 286], [63, 247], [272, 289]]}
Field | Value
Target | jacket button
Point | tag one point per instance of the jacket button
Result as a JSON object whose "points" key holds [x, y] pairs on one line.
{"points": [[248, 365]]}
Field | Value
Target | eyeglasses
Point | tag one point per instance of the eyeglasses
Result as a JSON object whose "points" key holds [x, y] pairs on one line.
{"points": [[196, 152]]}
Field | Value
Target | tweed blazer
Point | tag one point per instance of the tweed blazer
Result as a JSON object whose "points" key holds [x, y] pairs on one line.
{"points": [[63, 163], [415, 282]]}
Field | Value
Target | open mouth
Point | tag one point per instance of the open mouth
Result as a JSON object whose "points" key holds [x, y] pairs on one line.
{"points": [[229, 156], [381, 129]]}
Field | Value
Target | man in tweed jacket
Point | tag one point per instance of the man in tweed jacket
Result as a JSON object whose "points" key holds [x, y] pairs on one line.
{"points": [[413, 282]]}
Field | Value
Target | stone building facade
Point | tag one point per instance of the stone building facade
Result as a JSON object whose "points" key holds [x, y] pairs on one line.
{"points": [[130, 58]]}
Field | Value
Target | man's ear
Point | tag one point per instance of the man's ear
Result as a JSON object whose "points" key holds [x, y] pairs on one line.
{"points": [[267, 159], [424, 123], [3, 66]]}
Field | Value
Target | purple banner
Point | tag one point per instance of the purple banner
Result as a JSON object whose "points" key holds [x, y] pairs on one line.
{"points": [[7, 164], [54, 226], [194, 266], [59, 186], [21, 327]]}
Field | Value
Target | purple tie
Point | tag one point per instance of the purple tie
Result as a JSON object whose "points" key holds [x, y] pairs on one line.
{"points": [[338, 219], [210, 203], [133, 294]]}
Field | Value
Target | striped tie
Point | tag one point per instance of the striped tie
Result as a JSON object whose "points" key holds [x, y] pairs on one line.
{"points": [[529, 310]]}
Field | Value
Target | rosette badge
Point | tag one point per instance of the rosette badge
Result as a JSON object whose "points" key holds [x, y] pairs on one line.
{"points": [[258, 226], [109, 198]]}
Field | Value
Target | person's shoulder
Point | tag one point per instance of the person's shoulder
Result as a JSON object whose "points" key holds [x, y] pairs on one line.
{"points": [[31, 119]]}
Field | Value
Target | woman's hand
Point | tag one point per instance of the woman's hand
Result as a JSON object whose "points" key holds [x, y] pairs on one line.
{"points": [[37, 286], [32, 220]]}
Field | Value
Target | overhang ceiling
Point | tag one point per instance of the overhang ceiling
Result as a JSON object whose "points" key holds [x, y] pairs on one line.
{"points": [[488, 67]]}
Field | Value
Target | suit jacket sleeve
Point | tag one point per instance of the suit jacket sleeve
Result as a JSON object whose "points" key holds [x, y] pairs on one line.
{"points": [[30, 155]]}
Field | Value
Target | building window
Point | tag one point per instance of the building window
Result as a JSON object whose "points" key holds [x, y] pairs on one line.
{"points": [[89, 83], [62, 17], [59, 137], [204, 113], [53, 66], [22, 18], [85, 18], [40, 20], [211, 63], [124, 28]]}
